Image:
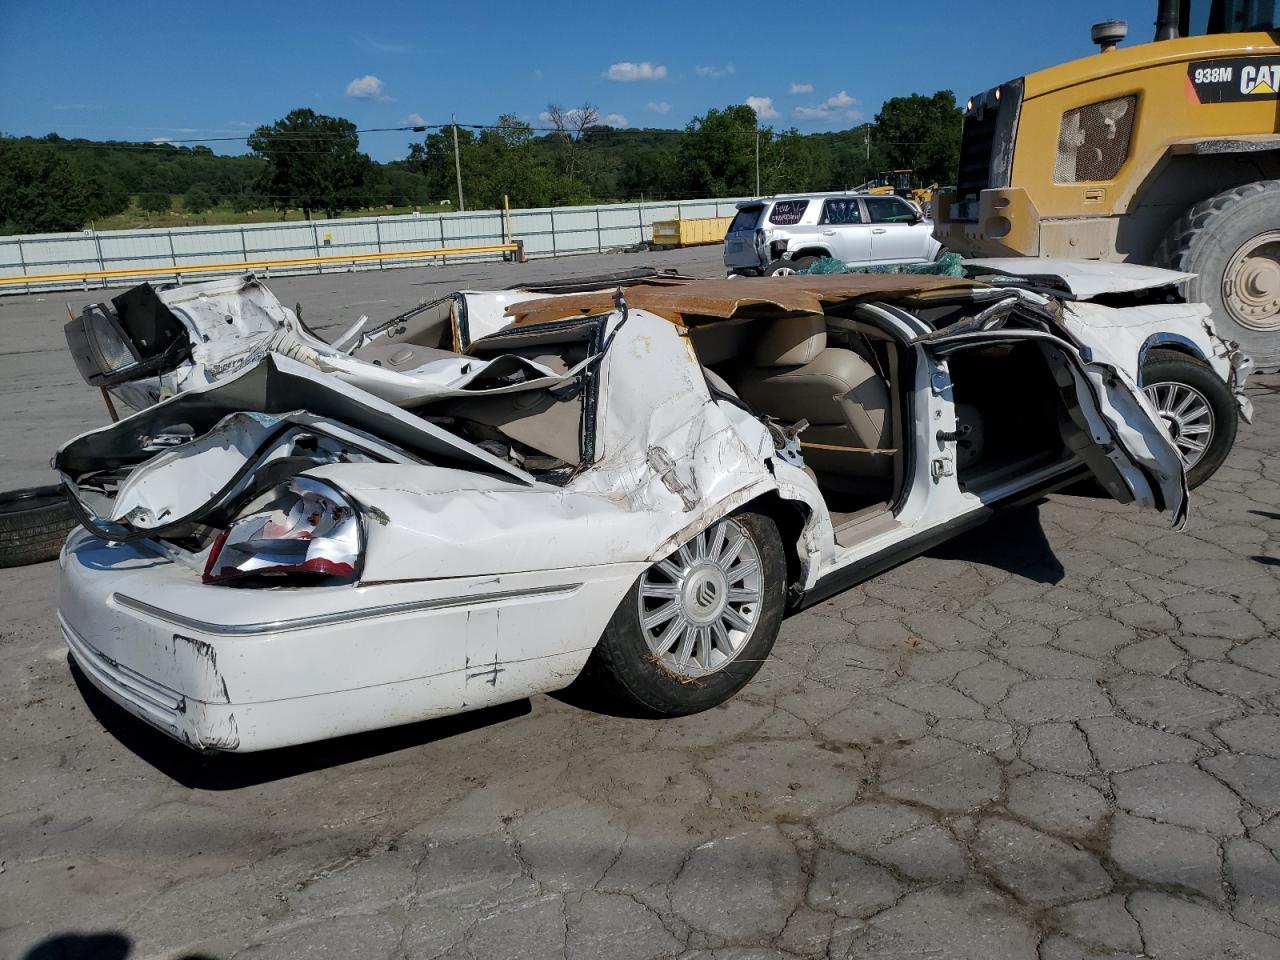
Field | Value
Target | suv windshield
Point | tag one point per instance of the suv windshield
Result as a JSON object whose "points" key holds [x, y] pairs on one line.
{"points": [[746, 219], [889, 210]]}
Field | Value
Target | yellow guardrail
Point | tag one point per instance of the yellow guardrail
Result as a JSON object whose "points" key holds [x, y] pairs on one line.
{"points": [[179, 269]]}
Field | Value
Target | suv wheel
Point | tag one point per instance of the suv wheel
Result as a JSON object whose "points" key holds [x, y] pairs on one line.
{"points": [[784, 268]]}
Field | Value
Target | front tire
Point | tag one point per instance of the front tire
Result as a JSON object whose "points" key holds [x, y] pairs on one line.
{"points": [[1232, 242], [698, 625], [1197, 407]]}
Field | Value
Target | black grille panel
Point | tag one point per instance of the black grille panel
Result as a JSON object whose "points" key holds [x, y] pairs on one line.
{"points": [[986, 145], [975, 155]]}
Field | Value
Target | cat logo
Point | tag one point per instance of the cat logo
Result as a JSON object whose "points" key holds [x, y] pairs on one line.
{"points": [[1261, 80], [1234, 80]]}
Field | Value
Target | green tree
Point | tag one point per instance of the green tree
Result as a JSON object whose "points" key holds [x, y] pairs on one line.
{"points": [[717, 155], [198, 198], [794, 163], [155, 201], [434, 158], [108, 195], [499, 161], [313, 162], [248, 197], [40, 192], [921, 133]]}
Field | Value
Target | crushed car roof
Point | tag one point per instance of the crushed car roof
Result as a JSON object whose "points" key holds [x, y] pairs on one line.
{"points": [[723, 299]]}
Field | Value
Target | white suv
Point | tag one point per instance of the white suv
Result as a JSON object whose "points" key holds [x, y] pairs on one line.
{"points": [[779, 235]]}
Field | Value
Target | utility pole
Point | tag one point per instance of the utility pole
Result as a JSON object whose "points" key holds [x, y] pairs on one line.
{"points": [[757, 156], [457, 163]]}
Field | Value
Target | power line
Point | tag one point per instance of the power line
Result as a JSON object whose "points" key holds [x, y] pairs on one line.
{"points": [[592, 133]]}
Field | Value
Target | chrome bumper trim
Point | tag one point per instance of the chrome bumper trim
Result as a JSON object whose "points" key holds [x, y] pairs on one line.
{"points": [[345, 616]]}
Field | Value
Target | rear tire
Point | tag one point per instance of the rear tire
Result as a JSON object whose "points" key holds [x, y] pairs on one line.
{"points": [[784, 268], [1232, 242], [631, 664], [34, 523], [1191, 397]]}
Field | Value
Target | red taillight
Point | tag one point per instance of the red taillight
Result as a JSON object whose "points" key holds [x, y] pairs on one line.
{"points": [[305, 527]]}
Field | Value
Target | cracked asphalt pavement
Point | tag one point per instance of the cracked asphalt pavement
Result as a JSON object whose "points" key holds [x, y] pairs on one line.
{"points": [[1054, 738]]}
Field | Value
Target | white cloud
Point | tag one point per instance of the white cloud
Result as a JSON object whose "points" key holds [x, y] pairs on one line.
{"points": [[716, 73], [616, 120], [763, 106], [658, 106], [799, 88], [628, 72], [415, 120], [839, 106], [537, 74], [367, 87]]}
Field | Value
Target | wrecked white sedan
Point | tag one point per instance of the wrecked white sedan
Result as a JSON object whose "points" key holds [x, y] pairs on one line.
{"points": [[501, 493]]}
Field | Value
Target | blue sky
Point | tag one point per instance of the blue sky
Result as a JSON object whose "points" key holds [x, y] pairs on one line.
{"points": [[125, 69]]}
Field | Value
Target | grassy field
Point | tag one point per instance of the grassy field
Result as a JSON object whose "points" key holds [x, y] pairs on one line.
{"points": [[136, 218]]}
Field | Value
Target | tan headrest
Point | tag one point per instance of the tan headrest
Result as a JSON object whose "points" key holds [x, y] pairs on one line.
{"points": [[792, 341]]}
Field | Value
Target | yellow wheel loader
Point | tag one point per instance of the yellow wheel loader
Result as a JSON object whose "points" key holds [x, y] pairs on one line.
{"points": [[1164, 153]]}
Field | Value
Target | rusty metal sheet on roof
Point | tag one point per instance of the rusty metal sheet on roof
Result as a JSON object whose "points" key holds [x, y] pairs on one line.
{"points": [[722, 299]]}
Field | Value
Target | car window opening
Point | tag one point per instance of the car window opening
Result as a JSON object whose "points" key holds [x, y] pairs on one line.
{"points": [[842, 377]]}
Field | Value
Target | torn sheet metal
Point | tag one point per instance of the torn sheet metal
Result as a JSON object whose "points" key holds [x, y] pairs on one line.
{"points": [[233, 324], [1130, 333], [231, 423]]}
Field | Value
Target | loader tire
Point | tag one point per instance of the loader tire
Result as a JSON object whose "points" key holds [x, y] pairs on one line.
{"points": [[1232, 242], [34, 523]]}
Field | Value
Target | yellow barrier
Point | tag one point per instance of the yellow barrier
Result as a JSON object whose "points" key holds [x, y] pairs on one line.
{"points": [[260, 264]]}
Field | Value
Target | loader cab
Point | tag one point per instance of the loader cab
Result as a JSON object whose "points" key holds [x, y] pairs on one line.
{"points": [[1202, 18]]}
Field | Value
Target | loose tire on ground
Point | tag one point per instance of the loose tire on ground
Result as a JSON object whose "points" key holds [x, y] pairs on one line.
{"points": [[1209, 239], [624, 666], [34, 523], [783, 268], [1188, 379]]}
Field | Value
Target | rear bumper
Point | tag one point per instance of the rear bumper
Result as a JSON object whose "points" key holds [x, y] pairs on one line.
{"points": [[230, 669]]}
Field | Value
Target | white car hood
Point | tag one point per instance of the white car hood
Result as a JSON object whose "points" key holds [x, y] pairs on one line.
{"points": [[1085, 279]]}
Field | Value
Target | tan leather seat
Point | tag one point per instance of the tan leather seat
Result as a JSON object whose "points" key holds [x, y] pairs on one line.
{"points": [[796, 376]]}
